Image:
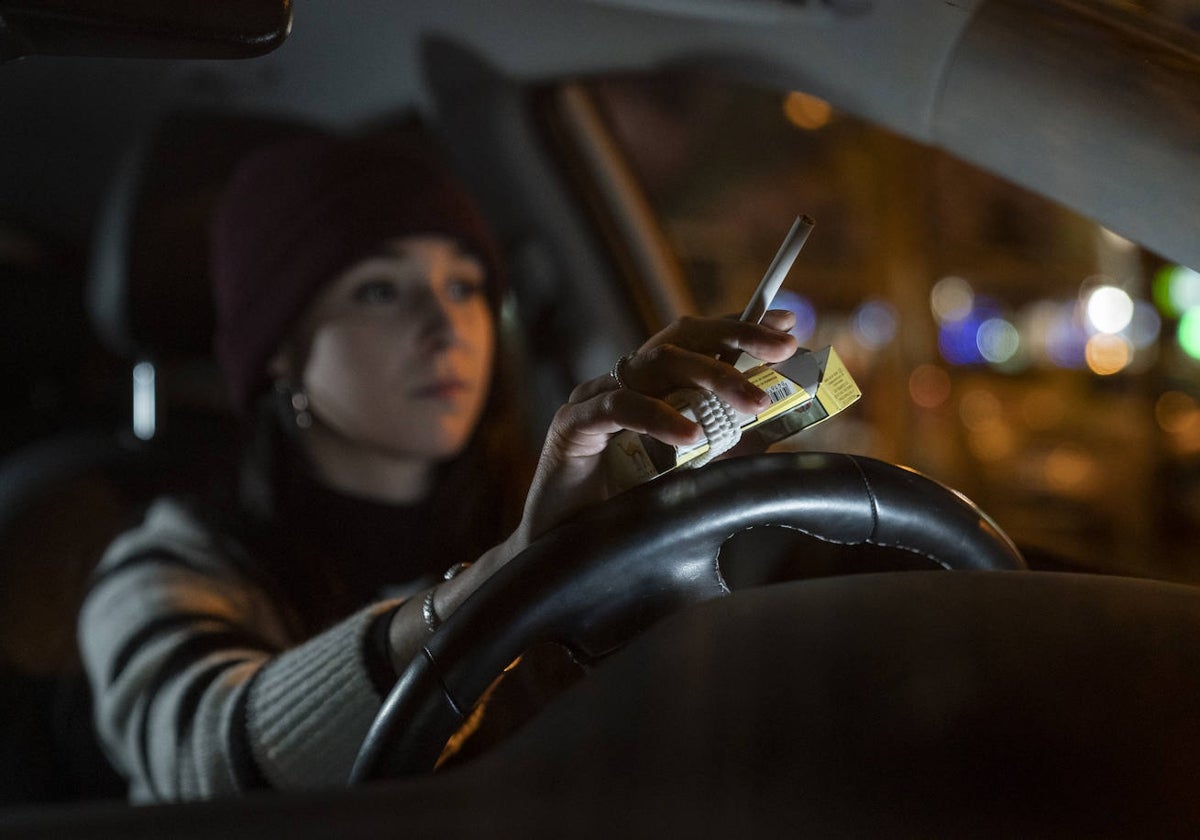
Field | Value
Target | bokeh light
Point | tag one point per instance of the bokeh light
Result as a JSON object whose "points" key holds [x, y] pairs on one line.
{"points": [[1066, 339], [874, 323], [802, 308], [1108, 354], [1188, 333], [996, 441], [1144, 326], [978, 408], [951, 299], [1175, 411], [997, 340], [1109, 309], [929, 386], [1070, 470], [1176, 289]]}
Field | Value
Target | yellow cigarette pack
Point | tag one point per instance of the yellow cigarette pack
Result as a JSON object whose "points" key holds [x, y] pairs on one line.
{"points": [[809, 387]]}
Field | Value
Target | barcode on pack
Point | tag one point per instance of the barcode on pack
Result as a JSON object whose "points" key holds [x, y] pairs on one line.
{"points": [[780, 391]]}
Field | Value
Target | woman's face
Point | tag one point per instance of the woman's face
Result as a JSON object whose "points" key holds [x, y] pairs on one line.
{"points": [[400, 350]]}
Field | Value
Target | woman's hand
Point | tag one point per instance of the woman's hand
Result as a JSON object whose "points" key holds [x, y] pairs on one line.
{"points": [[570, 474]]}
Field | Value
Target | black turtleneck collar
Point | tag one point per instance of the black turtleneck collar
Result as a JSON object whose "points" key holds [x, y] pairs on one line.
{"points": [[334, 552]]}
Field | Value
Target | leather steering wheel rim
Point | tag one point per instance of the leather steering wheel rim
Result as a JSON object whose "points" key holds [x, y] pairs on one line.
{"points": [[594, 582]]}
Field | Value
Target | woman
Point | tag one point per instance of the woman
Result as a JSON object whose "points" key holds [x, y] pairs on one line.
{"points": [[357, 292]]}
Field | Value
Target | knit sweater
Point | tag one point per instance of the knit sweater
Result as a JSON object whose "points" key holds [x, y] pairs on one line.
{"points": [[202, 686]]}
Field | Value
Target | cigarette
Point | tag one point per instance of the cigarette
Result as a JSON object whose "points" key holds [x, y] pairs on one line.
{"points": [[760, 302]]}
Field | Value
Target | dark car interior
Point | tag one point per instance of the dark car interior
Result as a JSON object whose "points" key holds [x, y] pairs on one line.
{"points": [[800, 642]]}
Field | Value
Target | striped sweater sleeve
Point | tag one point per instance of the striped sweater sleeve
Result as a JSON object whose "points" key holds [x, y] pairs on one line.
{"points": [[199, 690]]}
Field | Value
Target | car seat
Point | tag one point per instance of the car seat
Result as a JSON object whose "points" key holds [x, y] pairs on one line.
{"points": [[64, 496]]}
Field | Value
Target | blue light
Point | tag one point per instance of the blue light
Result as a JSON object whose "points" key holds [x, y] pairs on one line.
{"points": [[1066, 340], [798, 305], [874, 323], [958, 341]]}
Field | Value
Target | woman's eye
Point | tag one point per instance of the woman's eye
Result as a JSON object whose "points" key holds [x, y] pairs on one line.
{"points": [[465, 289], [376, 291]]}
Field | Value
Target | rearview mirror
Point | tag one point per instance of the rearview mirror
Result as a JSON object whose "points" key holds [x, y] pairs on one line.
{"points": [[142, 28]]}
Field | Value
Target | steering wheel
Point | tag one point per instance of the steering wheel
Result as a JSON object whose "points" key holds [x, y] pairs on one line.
{"points": [[598, 580]]}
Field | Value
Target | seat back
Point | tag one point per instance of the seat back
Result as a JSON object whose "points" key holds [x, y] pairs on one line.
{"points": [[65, 496]]}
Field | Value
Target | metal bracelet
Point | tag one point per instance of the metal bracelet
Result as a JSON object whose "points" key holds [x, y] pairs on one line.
{"points": [[432, 621], [454, 570]]}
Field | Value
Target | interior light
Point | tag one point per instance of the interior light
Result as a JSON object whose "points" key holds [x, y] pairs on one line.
{"points": [[145, 412], [805, 111]]}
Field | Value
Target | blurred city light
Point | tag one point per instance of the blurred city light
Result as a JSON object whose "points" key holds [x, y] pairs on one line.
{"points": [[958, 340], [1107, 354], [994, 441], [1174, 411], [1070, 470], [978, 409], [1188, 334], [874, 323], [1109, 309], [998, 340], [929, 386], [951, 299], [1144, 326], [1066, 340], [802, 308], [1176, 289]]}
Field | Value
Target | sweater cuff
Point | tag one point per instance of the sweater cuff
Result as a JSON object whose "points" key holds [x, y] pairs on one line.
{"points": [[378, 651], [310, 707]]}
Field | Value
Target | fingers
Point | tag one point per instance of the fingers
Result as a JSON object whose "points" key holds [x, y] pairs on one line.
{"points": [[666, 368], [768, 341], [583, 428], [783, 320]]}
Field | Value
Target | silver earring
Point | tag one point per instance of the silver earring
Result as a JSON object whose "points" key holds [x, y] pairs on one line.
{"points": [[295, 403]]}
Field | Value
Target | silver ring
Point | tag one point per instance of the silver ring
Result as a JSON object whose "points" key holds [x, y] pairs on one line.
{"points": [[615, 373]]}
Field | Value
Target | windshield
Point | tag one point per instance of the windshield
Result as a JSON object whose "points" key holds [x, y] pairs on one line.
{"points": [[1045, 366]]}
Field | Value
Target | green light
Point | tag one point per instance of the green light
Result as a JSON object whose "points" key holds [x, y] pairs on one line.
{"points": [[1189, 332], [1176, 289]]}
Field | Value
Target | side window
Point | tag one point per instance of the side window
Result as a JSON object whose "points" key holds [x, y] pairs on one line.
{"points": [[1004, 345]]}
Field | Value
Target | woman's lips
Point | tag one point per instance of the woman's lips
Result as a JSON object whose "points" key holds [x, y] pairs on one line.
{"points": [[442, 389]]}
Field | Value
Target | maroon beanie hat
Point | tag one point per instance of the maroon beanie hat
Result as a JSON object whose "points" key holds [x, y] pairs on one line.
{"points": [[297, 214]]}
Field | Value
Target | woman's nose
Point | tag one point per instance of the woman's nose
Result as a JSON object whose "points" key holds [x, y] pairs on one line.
{"points": [[436, 324]]}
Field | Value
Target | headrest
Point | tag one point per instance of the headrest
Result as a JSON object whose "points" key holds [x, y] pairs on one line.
{"points": [[149, 292]]}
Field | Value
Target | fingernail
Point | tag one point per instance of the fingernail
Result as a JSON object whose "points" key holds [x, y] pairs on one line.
{"points": [[756, 396]]}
